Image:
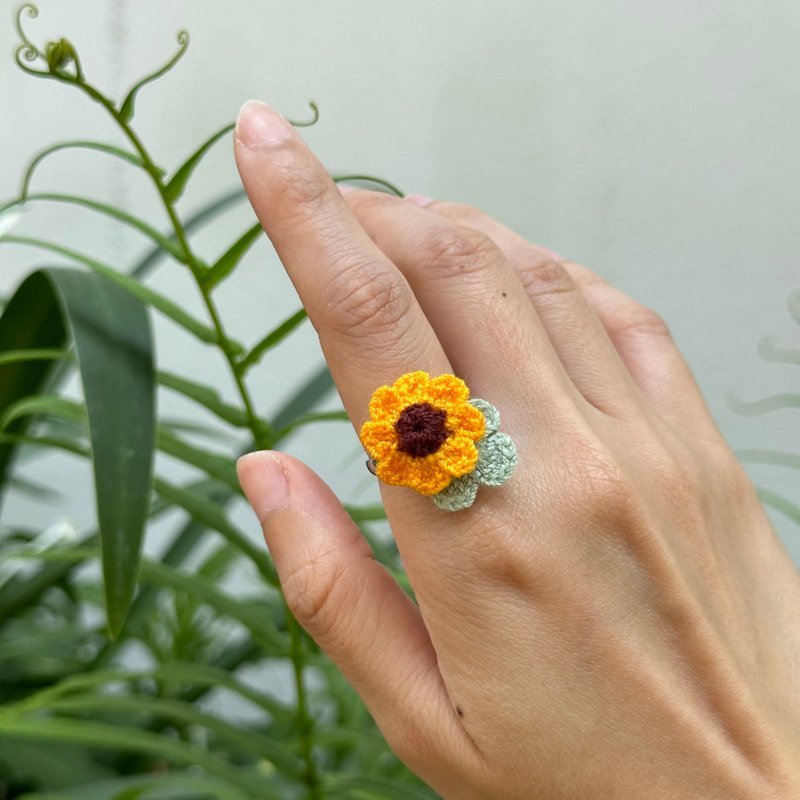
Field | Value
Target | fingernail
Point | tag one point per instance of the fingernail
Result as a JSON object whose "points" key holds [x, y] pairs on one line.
{"points": [[260, 125], [420, 200], [264, 482]]}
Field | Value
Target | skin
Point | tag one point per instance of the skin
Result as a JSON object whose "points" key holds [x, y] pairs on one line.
{"points": [[619, 620]]}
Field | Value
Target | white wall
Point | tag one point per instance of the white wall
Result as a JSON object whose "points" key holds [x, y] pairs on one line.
{"points": [[658, 143]]}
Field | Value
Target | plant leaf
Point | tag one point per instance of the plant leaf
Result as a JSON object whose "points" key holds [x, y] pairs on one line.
{"points": [[205, 396], [177, 184], [774, 457], [197, 220], [30, 321], [321, 416], [169, 245], [780, 503], [131, 286], [102, 147], [114, 347], [270, 340], [124, 738], [228, 261], [126, 109], [764, 405], [304, 399]]}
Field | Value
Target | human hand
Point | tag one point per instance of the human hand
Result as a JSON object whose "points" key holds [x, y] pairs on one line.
{"points": [[618, 620]]}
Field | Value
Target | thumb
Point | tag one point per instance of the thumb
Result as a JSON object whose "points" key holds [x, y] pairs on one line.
{"points": [[352, 606]]}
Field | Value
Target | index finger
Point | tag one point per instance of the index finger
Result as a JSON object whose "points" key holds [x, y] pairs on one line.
{"points": [[371, 328]]}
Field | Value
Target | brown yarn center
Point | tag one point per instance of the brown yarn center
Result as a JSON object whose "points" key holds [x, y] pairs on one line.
{"points": [[421, 429]]}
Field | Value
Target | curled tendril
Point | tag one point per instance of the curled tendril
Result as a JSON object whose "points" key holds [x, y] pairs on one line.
{"points": [[127, 105], [314, 119], [27, 50]]}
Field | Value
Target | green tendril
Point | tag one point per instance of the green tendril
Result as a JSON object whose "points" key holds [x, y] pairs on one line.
{"points": [[126, 110], [314, 119], [27, 50]]}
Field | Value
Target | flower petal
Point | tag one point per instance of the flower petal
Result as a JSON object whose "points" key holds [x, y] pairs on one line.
{"points": [[385, 404], [466, 420], [379, 439], [459, 494], [458, 455], [445, 391], [497, 459], [426, 475]]}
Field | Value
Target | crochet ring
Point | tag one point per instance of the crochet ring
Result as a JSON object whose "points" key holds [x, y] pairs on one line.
{"points": [[428, 434]]}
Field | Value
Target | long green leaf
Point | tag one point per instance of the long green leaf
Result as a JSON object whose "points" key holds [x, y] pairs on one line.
{"points": [[120, 737], [177, 184], [250, 741], [270, 340], [12, 356], [321, 416], [214, 464], [164, 242], [228, 261], [31, 321], [131, 286], [779, 503], [113, 344], [774, 403], [205, 396], [126, 109], [102, 147], [304, 399], [206, 213], [373, 788], [250, 616], [207, 513], [769, 457]]}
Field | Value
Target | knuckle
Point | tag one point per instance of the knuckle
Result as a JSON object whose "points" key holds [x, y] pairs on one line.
{"points": [[366, 299], [312, 593], [635, 319], [458, 250], [458, 212], [546, 277], [302, 192]]}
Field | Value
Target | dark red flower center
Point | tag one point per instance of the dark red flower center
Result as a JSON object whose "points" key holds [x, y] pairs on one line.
{"points": [[421, 429]]}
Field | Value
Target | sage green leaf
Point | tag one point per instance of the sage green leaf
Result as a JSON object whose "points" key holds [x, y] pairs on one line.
{"points": [[216, 465], [204, 511], [249, 615], [773, 457], [102, 147], [270, 340], [165, 243], [177, 184], [383, 185], [113, 343], [304, 399], [228, 261], [126, 109], [197, 220], [773, 403], [131, 286], [779, 503], [128, 739], [250, 741], [31, 321], [320, 416], [373, 788], [205, 396]]}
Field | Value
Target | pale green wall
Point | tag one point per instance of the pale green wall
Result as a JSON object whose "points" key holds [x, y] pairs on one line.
{"points": [[657, 142]]}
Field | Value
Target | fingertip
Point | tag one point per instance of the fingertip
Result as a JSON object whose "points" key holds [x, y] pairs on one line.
{"points": [[263, 480]]}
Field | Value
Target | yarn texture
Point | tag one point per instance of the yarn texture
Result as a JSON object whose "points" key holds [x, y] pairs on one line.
{"points": [[497, 458], [422, 431]]}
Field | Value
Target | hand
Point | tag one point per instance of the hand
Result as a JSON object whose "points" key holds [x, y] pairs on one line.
{"points": [[619, 619]]}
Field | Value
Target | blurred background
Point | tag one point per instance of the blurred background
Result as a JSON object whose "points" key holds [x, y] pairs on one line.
{"points": [[658, 143]]}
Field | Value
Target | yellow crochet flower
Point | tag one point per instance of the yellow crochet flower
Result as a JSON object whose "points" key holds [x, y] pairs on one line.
{"points": [[422, 431]]}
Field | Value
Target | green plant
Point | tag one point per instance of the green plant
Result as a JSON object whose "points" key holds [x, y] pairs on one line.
{"points": [[75, 722]]}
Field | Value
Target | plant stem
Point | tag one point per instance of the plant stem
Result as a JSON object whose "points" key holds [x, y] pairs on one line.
{"points": [[260, 429]]}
